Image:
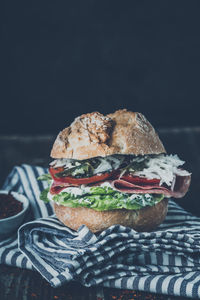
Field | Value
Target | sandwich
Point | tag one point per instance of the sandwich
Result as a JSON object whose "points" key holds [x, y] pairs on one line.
{"points": [[112, 169]]}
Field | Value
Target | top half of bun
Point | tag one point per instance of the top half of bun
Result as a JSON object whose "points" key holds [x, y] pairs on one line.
{"points": [[93, 134]]}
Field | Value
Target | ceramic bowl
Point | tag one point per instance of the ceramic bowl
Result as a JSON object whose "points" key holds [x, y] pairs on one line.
{"points": [[9, 226]]}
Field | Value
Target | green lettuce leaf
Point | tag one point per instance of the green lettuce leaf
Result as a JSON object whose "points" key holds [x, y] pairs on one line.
{"points": [[105, 198], [43, 195], [45, 177]]}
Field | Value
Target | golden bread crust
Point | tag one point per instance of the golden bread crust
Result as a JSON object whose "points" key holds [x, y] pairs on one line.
{"points": [[145, 219], [93, 134]]}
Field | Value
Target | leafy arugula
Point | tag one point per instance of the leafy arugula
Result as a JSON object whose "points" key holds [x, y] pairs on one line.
{"points": [[85, 169]]}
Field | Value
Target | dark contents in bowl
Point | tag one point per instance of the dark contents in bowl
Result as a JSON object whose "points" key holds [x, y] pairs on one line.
{"points": [[9, 206]]}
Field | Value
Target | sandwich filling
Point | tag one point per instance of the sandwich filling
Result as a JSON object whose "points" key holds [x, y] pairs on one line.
{"points": [[116, 182]]}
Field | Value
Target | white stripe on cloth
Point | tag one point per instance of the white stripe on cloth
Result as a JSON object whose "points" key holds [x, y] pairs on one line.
{"points": [[35, 190], [165, 261]]}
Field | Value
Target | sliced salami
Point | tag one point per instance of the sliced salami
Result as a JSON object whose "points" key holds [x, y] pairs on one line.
{"points": [[57, 187], [180, 187]]}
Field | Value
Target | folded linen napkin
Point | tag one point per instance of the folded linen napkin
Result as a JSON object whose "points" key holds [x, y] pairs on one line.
{"points": [[164, 261]]}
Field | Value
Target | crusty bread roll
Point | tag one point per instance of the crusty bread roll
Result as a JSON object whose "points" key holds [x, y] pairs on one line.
{"points": [[145, 219], [93, 134]]}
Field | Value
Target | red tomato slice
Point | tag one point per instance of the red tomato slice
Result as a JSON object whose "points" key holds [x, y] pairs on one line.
{"points": [[140, 180], [78, 181], [53, 171]]}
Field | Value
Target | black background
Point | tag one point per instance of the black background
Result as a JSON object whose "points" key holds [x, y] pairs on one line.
{"points": [[60, 59]]}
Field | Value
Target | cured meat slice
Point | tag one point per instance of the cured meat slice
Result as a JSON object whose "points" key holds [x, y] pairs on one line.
{"points": [[180, 187], [57, 187], [137, 185]]}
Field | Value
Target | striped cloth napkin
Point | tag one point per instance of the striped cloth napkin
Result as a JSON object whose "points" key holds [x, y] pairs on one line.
{"points": [[165, 261]]}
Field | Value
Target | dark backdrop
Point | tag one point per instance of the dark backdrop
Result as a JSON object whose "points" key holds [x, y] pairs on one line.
{"points": [[63, 58]]}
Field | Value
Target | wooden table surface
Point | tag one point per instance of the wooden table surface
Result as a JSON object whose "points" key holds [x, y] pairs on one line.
{"points": [[24, 284]]}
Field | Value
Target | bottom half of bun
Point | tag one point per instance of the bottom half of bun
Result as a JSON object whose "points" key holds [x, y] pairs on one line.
{"points": [[145, 219]]}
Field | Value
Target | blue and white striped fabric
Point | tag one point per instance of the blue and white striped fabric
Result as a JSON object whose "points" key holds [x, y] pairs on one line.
{"points": [[164, 261]]}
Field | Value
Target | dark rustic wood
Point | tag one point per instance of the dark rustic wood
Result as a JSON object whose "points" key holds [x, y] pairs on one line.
{"points": [[21, 284]]}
